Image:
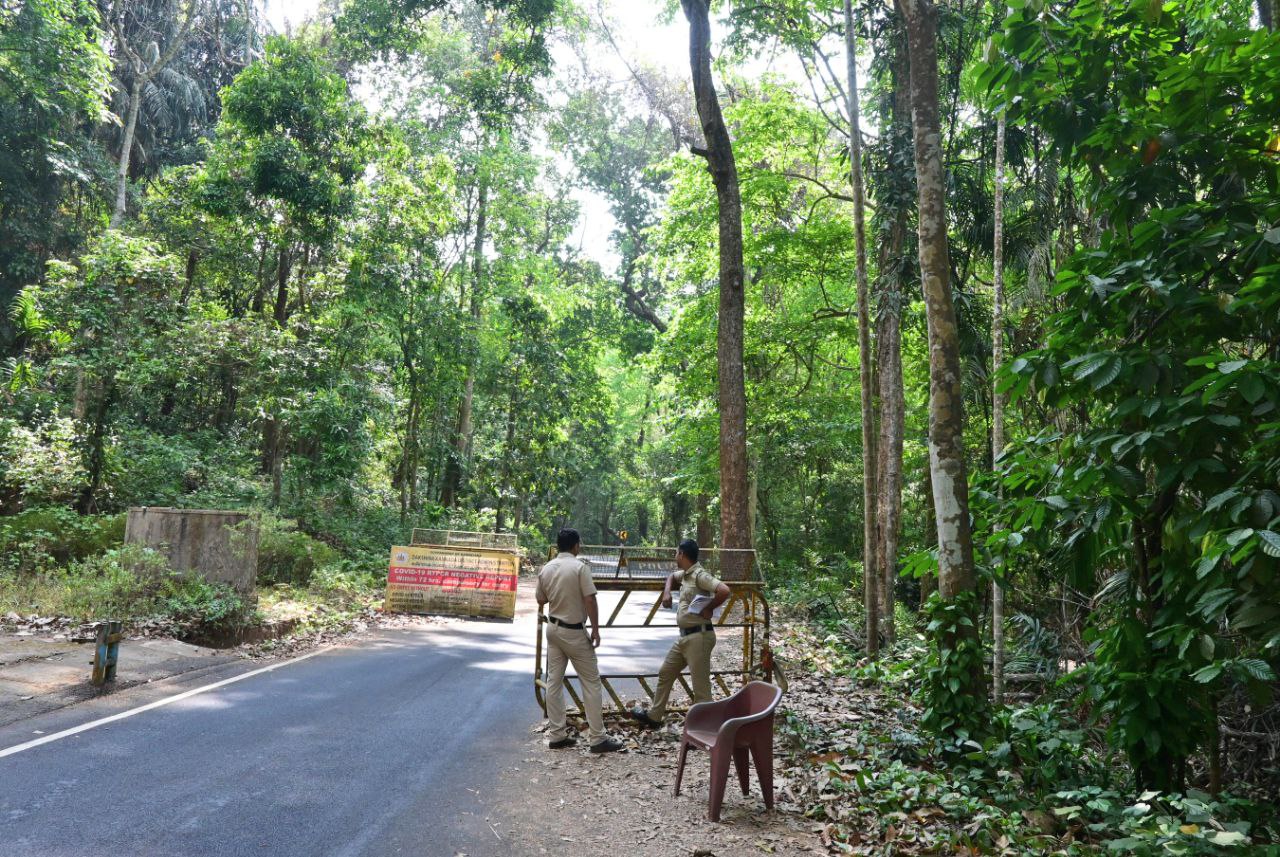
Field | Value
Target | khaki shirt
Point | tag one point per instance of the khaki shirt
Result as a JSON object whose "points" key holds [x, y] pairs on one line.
{"points": [[563, 583], [696, 581]]}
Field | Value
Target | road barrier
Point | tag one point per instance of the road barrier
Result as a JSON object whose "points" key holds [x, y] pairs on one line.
{"points": [[644, 569], [456, 575]]}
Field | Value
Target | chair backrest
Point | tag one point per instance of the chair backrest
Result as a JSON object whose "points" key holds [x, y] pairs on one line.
{"points": [[754, 699]]}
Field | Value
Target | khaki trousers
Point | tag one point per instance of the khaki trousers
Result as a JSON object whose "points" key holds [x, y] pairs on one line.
{"points": [[693, 651], [565, 645]]}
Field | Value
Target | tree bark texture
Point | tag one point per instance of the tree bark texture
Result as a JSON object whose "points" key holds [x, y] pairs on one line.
{"points": [[735, 523], [888, 353], [997, 402], [946, 395], [888, 503], [126, 151]]}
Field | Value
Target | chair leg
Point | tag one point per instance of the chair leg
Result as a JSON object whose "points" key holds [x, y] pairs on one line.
{"points": [[762, 754], [684, 752], [719, 778], [742, 761]]}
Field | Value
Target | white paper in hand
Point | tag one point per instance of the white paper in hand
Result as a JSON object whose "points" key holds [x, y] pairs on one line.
{"points": [[699, 603]]}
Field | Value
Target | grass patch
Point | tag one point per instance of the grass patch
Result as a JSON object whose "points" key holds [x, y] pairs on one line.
{"points": [[130, 583], [332, 597]]}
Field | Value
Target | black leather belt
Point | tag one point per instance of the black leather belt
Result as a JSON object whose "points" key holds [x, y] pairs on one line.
{"points": [[696, 629], [572, 626]]}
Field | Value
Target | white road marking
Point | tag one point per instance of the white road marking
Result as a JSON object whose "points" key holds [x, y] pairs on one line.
{"points": [[94, 724]]}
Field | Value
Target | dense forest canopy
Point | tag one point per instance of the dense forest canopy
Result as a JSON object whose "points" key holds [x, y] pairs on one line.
{"points": [[339, 274]]}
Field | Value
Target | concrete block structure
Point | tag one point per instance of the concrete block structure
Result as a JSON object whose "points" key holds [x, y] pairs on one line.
{"points": [[220, 546]]}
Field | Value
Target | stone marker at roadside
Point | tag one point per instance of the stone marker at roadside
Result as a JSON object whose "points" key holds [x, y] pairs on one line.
{"points": [[220, 546]]}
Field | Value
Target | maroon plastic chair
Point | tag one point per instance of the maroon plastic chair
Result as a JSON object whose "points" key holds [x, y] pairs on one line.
{"points": [[734, 728]]}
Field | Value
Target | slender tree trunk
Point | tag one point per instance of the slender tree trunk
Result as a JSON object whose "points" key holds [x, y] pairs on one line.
{"points": [[735, 524], [126, 151], [407, 475], [260, 294], [463, 427], [193, 260], [1267, 14], [888, 361], [871, 579], [946, 394], [95, 456], [997, 405], [283, 265], [504, 478], [704, 534], [889, 445]]}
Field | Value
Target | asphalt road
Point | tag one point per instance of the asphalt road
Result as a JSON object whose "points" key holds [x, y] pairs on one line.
{"points": [[392, 745]]}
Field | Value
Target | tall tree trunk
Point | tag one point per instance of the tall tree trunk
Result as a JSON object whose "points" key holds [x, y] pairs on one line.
{"points": [[1268, 13], [704, 535], [946, 394], [95, 454], [407, 471], [504, 476], [463, 427], [889, 445], [997, 404], [126, 151], [260, 294], [871, 579], [888, 340], [283, 265], [735, 523], [193, 260]]}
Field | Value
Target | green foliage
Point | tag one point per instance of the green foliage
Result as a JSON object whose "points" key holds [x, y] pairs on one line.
{"points": [[1159, 824], [1162, 342], [286, 555], [39, 462], [38, 539], [952, 708], [53, 79], [123, 582], [201, 609], [292, 135]]}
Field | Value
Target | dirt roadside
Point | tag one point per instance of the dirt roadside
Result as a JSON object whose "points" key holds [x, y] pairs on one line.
{"points": [[624, 803]]}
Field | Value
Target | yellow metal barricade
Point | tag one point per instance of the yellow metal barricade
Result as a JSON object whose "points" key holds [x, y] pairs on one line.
{"points": [[644, 570]]}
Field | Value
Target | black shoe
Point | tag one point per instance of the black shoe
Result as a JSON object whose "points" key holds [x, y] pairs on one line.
{"points": [[562, 743], [608, 745], [642, 717]]}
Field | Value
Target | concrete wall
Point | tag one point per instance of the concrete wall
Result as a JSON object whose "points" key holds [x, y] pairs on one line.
{"points": [[219, 546]]}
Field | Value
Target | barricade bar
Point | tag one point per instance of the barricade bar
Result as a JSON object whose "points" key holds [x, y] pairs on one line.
{"points": [[465, 539], [623, 562]]}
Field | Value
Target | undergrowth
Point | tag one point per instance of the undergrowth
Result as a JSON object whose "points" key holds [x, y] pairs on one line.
{"points": [[1036, 778], [129, 583]]}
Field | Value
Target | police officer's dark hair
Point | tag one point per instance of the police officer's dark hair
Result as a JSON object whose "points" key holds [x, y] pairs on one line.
{"points": [[567, 539], [689, 548]]}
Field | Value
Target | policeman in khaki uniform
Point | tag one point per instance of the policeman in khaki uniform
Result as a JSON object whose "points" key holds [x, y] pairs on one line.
{"points": [[565, 586], [697, 633]]}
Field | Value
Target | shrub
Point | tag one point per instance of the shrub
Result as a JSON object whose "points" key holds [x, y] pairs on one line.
{"points": [[148, 469], [201, 609], [286, 555], [124, 582], [40, 463], [45, 537]]}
